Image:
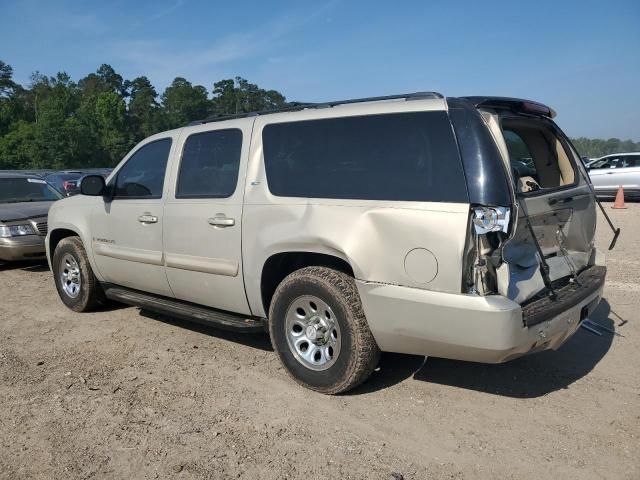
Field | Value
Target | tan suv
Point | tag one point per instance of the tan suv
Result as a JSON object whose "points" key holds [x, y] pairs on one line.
{"points": [[453, 227]]}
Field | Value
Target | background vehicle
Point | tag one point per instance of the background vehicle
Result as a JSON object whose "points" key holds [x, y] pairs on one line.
{"points": [[68, 182], [612, 171], [24, 203], [459, 227]]}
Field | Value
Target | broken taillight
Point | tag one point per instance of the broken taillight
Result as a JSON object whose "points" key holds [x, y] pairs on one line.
{"points": [[488, 229]]}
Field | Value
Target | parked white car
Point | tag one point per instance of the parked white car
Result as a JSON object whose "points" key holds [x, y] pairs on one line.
{"points": [[344, 229], [617, 170]]}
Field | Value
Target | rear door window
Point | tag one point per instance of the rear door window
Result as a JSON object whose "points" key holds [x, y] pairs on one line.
{"points": [[400, 156], [210, 163]]}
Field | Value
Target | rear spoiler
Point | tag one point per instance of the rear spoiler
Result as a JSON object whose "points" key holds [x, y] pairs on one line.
{"points": [[517, 105]]}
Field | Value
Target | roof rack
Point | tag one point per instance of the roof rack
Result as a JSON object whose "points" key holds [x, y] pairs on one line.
{"points": [[297, 106]]}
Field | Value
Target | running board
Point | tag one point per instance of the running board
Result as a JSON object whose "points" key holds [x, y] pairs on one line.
{"points": [[184, 310]]}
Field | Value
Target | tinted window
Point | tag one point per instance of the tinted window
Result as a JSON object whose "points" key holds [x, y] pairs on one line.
{"points": [[402, 156], [16, 190], [143, 174], [630, 161], [519, 155], [210, 162]]}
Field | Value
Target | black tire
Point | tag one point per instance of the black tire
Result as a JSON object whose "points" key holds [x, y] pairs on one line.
{"points": [[359, 353], [90, 294]]}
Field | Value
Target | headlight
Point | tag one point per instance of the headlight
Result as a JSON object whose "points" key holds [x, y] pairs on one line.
{"points": [[16, 230]]}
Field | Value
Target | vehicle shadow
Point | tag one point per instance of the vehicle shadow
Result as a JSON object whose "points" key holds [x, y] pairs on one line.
{"points": [[253, 340], [392, 369], [530, 376], [526, 377], [27, 266]]}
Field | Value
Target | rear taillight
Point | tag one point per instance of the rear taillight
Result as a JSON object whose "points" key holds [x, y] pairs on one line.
{"points": [[490, 219], [487, 231]]}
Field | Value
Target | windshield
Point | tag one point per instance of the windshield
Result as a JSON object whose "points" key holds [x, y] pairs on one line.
{"points": [[14, 190]]}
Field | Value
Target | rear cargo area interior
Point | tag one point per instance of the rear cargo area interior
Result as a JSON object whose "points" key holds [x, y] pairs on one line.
{"points": [[539, 158]]}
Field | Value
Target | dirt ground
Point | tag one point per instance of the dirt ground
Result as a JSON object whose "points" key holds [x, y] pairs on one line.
{"points": [[127, 394]]}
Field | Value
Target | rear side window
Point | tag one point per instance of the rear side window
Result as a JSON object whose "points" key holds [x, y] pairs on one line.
{"points": [[210, 163], [143, 174], [401, 156]]}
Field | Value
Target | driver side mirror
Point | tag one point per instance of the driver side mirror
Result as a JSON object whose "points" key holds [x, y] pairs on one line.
{"points": [[93, 185]]}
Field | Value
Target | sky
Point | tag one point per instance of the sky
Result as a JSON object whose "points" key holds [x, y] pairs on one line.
{"points": [[582, 58]]}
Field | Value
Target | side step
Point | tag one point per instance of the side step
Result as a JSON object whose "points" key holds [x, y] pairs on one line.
{"points": [[184, 310]]}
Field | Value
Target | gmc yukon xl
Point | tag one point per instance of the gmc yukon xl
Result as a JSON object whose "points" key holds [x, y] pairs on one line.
{"points": [[449, 227]]}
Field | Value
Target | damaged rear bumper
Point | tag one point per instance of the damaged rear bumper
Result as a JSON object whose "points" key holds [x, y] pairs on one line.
{"points": [[544, 308], [489, 329]]}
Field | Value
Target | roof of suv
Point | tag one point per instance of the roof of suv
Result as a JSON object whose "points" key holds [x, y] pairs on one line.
{"points": [[517, 105], [299, 106]]}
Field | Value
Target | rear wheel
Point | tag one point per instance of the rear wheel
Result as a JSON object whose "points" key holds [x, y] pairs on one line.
{"points": [[319, 330], [77, 286]]}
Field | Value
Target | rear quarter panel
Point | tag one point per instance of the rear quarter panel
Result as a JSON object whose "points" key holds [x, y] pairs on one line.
{"points": [[374, 237]]}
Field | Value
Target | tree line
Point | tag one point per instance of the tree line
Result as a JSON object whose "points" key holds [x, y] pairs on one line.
{"points": [[56, 123]]}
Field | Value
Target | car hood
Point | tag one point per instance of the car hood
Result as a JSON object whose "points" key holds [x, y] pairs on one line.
{"points": [[23, 210]]}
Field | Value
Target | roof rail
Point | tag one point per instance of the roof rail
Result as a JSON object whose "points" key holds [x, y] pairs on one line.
{"points": [[297, 106]]}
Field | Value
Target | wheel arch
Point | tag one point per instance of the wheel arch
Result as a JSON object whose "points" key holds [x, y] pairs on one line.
{"points": [[281, 264], [57, 235]]}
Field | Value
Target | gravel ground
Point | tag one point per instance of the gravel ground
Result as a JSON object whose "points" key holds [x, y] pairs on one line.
{"points": [[127, 394]]}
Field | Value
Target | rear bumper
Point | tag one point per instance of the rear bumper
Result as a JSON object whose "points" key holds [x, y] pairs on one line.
{"points": [[487, 329], [22, 248]]}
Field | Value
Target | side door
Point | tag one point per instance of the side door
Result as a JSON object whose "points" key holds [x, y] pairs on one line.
{"points": [[203, 213], [127, 230]]}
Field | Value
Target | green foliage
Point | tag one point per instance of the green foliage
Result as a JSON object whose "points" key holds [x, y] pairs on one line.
{"points": [[240, 96], [183, 102], [594, 148], [56, 123]]}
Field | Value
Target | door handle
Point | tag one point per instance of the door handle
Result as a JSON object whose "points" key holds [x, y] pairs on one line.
{"points": [[147, 218], [221, 221]]}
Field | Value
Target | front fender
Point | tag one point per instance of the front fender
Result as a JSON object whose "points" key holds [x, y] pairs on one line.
{"points": [[73, 214]]}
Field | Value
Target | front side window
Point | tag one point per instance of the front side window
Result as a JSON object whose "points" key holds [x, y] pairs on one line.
{"points": [[623, 161], [401, 156], [210, 164], [143, 174], [602, 163]]}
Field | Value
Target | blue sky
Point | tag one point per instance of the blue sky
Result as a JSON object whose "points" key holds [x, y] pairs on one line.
{"points": [[580, 57]]}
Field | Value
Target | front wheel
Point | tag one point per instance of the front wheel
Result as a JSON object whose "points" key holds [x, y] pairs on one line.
{"points": [[319, 330], [76, 283]]}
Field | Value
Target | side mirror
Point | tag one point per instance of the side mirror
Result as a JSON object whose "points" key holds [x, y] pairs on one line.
{"points": [[93, 185]]}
